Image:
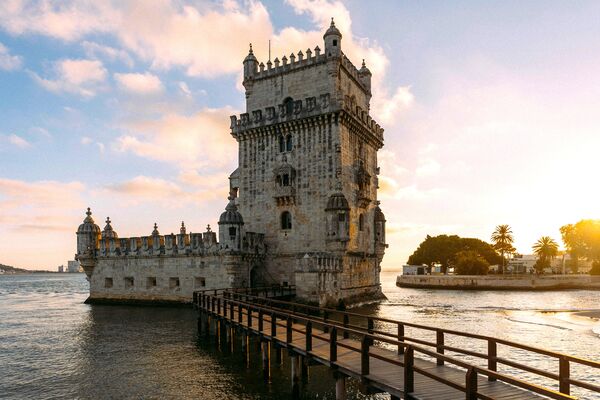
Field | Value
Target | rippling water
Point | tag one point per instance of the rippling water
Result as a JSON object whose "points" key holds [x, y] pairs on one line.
{"points": [[53, 346]]}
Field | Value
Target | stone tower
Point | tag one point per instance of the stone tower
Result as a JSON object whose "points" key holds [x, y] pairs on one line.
{"points": [[307, 174]]}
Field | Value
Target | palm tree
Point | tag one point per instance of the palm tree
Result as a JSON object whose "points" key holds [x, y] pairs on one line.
{"points": [[545, 248], [503, 240]]}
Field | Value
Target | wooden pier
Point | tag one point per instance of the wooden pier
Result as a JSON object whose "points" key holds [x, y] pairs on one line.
{"points": [[357, 346]]}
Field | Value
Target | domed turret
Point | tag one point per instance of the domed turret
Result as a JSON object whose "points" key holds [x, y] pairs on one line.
{"points": [[88, 235], [379, 227], [333, 41], [337, 217], [88, 239], [337, 201], [250, 65], [364, 75], [109, 232], [230, 226]]}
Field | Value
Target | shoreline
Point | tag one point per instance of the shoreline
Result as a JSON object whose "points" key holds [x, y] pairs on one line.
{"points": [[500, 282]]}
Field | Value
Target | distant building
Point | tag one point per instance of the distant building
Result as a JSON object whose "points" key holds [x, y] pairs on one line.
{"points": [[72, 266], [61, 268], [521, 264]]}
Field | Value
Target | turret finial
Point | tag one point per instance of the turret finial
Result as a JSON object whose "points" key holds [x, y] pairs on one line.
{"points": [[250, 52], [155, 231], [89, 212], [182, 229], [208, 228], [332, 23], [108, 220], [363, 64]]}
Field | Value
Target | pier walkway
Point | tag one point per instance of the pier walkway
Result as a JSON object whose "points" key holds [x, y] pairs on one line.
{"points": [[362, 347]]}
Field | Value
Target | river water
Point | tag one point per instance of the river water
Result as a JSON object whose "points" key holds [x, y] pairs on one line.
{"points": [[52, 346]]}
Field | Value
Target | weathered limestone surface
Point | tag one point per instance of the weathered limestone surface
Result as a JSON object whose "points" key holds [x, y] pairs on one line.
{"points": [[303, 205]]}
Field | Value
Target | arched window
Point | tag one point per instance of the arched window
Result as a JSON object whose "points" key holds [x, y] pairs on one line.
{"points": [[286, 180], [288, 105], [286, 220], [288, 143], [281, 144], [232, 231], [361, 222]]}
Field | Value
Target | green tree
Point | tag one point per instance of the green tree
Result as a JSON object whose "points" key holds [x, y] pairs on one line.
{"points": [[442, 249], [502, 238], [469, 262], [545, 248], [573, 242]]}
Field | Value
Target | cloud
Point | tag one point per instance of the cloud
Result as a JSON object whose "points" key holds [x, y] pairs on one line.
{"points": [[427, 167], [18, 141], [82, 77], [85, 140], [145, 83], [9, 62], [190, 188], [201, 140], [96, 50]]}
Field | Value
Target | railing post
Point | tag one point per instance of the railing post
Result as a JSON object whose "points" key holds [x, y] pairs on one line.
{"points": [[239, 313], [471, 384], [440, 345], [492, 358], [364, 356], [333, 344], [231, 312], [564, 375], [273, 325], [249, 309], [308, 336], [218, 305], [346, 323], [325, 318], [288, 330], [409, 373], [400, 338], [260, 320], [225, 308], [370, 327]]}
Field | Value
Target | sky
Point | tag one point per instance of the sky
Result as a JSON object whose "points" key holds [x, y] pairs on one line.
{"points": [[490, 109]]}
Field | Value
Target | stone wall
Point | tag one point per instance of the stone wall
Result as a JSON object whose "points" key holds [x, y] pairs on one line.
{"points": [[164, 279], [496, 282]]}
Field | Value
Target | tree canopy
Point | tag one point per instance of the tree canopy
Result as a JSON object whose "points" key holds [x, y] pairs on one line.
{"points": [[469, 262], [583, 240], [443, 249]]}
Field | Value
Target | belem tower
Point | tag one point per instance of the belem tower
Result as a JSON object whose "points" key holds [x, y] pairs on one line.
{"points": [[302, 208]]}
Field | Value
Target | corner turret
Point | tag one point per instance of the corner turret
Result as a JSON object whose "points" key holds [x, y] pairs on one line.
{"points": [[333, 41], [88, 238], [364, 75], [230, 227], [250, 68]]}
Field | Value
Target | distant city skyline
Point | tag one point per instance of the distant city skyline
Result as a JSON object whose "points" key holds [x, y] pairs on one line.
{"points": [[489, 110]]}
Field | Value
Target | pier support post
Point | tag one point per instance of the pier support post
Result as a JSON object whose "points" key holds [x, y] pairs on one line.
{"points": [[340, 386], [304, 369], [265, 360], [277, 351], [295, 364]]}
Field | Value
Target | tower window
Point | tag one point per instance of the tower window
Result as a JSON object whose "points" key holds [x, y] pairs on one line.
{"points": [[199, 282], [288, 104], [361, 222], [286, 220], [232, 232], [108, 283], [173, 283], [281, 144], [286, 180], [288, 143], [334, 42], [128, 282], [150, 282]]}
